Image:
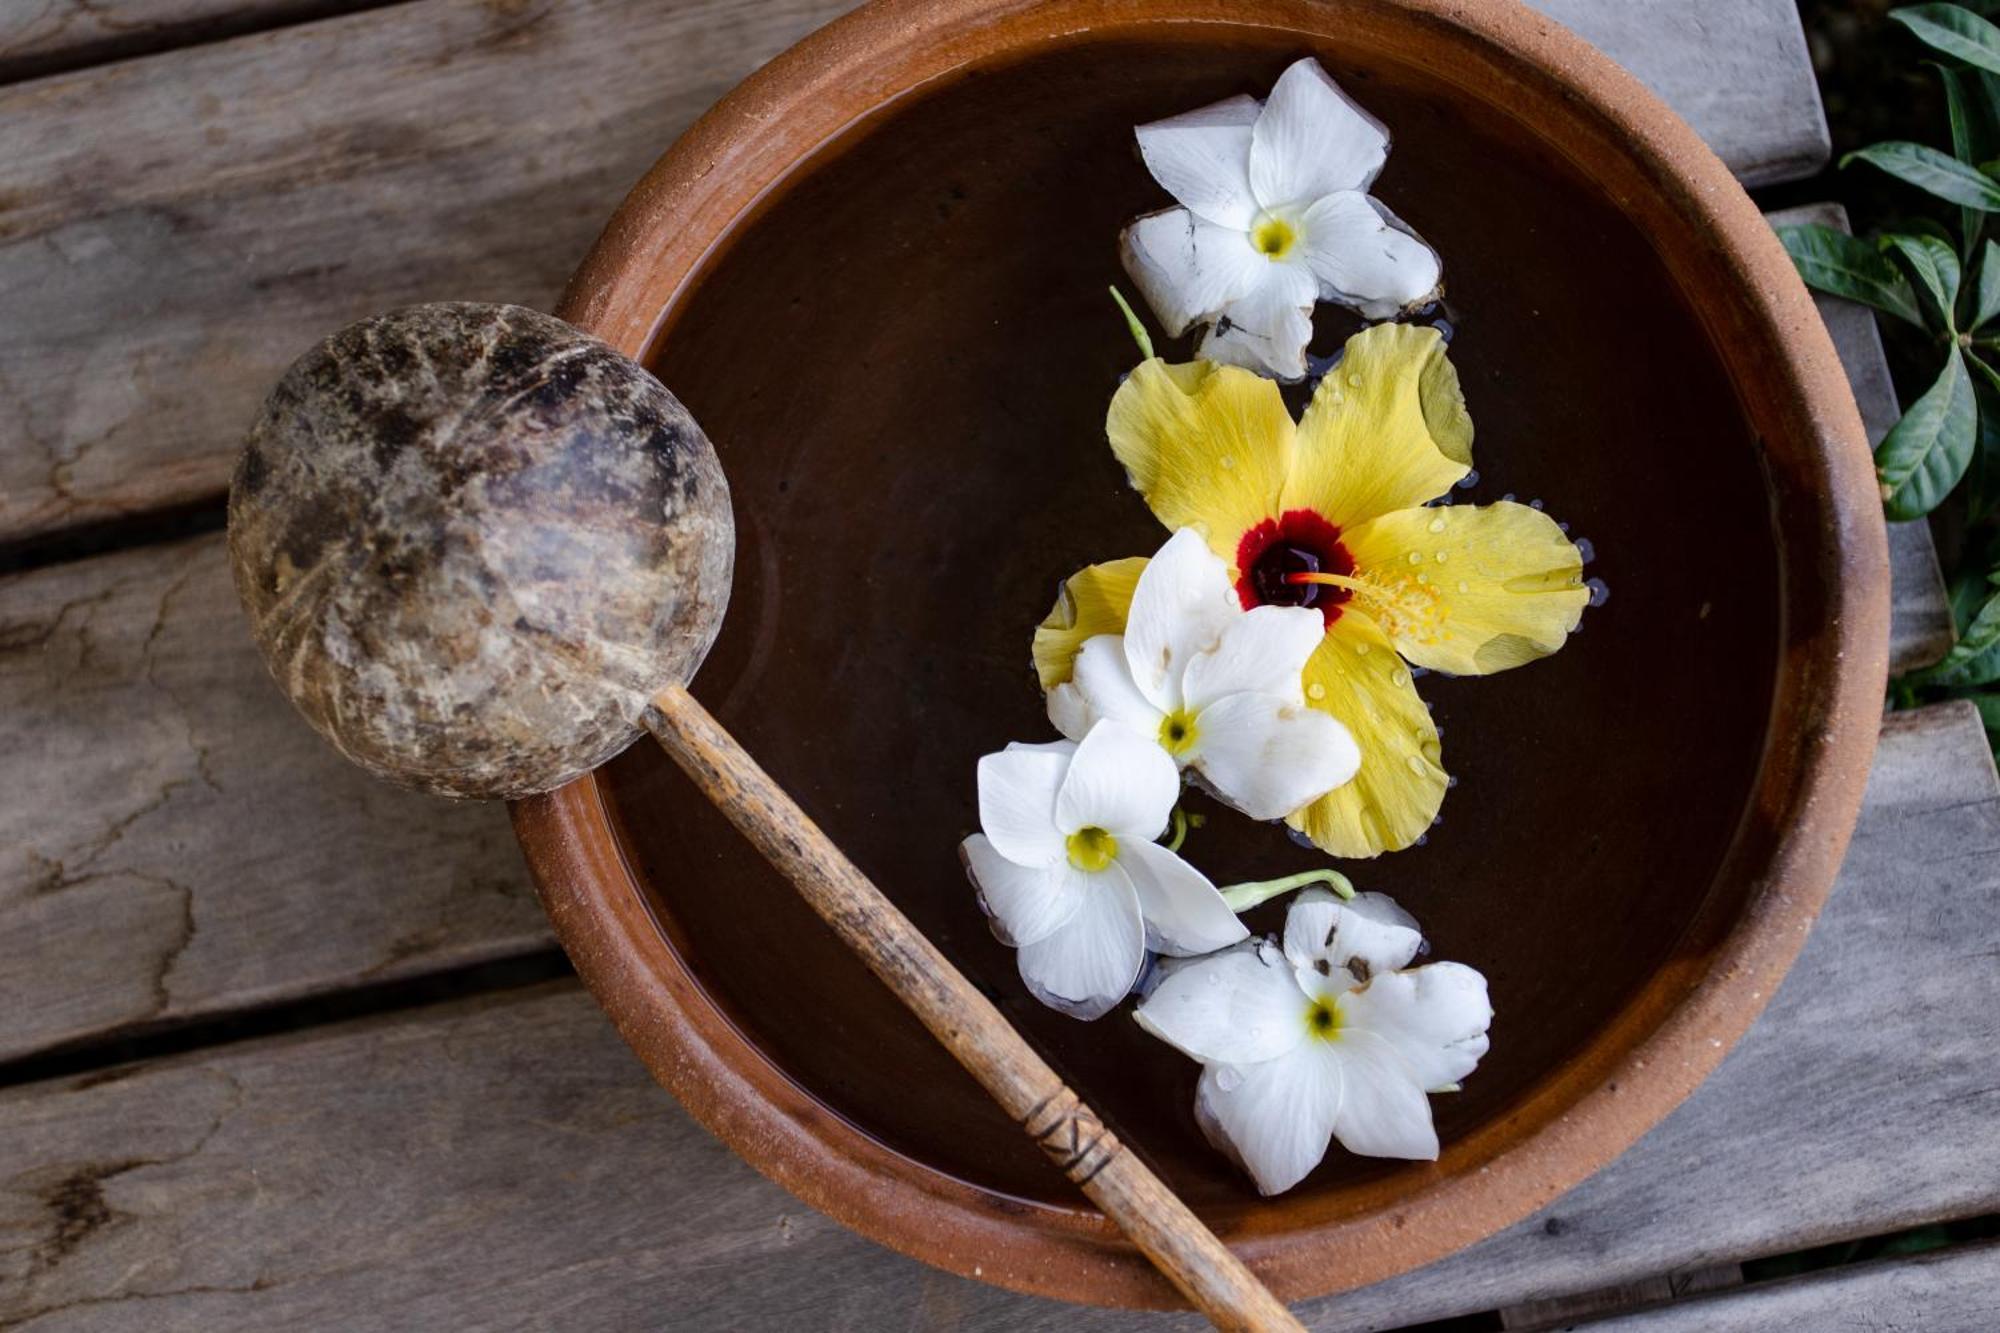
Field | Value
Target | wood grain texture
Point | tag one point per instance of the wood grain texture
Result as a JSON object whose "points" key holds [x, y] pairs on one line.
{"points": [[174, 230], [1920, 625], [174, 841], [505, 1163], [1072, 1136], [40, 37], [1952, 1291]]}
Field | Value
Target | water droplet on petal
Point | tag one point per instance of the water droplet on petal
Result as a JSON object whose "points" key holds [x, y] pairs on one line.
{"points": [[1463, 586], [1228, 1078], [1585, 549], [1442, 557], [1415, 558], [1227, 462], [1354, 380], [1600, 592], [1416, 765], [1316, 691], [1437, 525], [1400, 676], [1361, 650]]}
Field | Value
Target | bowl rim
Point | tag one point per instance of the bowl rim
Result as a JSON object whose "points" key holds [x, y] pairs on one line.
{"points": [[1834, 593]]}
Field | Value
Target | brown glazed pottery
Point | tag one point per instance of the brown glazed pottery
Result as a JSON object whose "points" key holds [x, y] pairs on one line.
{"points": [[876, 273]]}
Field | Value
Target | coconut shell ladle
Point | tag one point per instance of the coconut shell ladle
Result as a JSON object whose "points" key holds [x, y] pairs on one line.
{"points": [[481, 551]]}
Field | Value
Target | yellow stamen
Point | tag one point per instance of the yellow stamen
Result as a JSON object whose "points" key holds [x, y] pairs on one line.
{"points": [[1274, 237], [1412, 608], [1323, 1019], [1091, 849], [1177, 732]]}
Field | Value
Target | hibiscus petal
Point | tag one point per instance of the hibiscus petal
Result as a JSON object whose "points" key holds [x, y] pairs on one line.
{"points": [[1274, 1118], [1088, 964], [1396, 793], [1365, 261], [1182, 604], [1384, 1112], [1203, 160], [1266, 329], [1501, 584], [1092, 601], [1385, 430], [1435, 1017], [1237, 1007], [1120, 781], [1263, 651], [1268, 756], [1188, 269], [1184, 913], [1017, 804], [1025, 903], [1173, 427], [1320, 928], [1312, 140], [1102, 688]]}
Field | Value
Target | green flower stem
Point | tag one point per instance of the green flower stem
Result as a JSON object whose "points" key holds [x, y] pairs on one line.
{"points": [[1139, 334], [1243, 897]]}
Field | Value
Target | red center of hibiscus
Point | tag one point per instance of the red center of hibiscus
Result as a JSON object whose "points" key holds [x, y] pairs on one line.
{"points": [[1273, 554]]}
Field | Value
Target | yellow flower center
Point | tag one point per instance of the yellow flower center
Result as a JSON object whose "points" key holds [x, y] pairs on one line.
{"points": [[1177, 732], [1091, 848], [1323, 1019], [1274, 237]]}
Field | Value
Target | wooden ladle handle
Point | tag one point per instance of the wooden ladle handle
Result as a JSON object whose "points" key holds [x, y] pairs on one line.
{"points": [[1188, 1253]]}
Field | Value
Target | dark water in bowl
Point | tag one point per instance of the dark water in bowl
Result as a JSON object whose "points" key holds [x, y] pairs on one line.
{"points": [[905, 362]]}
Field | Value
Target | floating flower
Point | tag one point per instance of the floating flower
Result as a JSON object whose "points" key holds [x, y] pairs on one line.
{"points": [[1325, 1038], [1069, 872], [1329, 515], [1219, 687], [1275, 216]]}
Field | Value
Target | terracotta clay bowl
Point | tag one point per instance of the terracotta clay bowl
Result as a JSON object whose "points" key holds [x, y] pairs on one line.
{"points": [[876, 273]]}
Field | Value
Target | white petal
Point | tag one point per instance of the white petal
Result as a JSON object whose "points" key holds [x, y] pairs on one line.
{"points": [[1088, 964], [1311, 140], [1435, 1017], [1384, 1112], [1263, 651], [1185, 915], [1102, 687], [1274, 1118], [1267, 329], [1188, 269], [1364, 259], [1237, 1007], [1063, 748], [1268, 756], [1320, 928], [1024, 903], [1120, 781], [1203, 158], [1017, 804], [1179, 608]]}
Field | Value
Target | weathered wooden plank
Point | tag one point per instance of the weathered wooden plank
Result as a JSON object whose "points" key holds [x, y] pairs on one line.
{"points": [[505, 1163], [173, 230], [1572, 1311], [1951, 1291], [39, 37], [173, 841], [1920, 625]]}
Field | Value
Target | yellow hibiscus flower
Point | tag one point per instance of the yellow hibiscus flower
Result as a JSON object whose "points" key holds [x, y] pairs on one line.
{"points": [[1331, 513]]}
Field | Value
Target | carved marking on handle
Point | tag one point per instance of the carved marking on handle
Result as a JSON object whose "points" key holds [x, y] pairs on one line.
{"points": [[1073, 1138]]}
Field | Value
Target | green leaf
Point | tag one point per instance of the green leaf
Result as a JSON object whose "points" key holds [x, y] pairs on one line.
{"points": [[1973, 98], [1975, 658], [1834, 262], [1923, 455], [1934, 265], [1954, 30], [1929, 170], [1986, 294]]}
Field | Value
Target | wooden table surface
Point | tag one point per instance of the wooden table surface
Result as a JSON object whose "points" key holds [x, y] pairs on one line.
{"points": [[280, 1047]]}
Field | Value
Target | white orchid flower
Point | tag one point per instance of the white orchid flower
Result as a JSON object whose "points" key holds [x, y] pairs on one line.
{"points": [[1275, 216], [1069, 872], [1219, 687], [1325, 1038]]}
